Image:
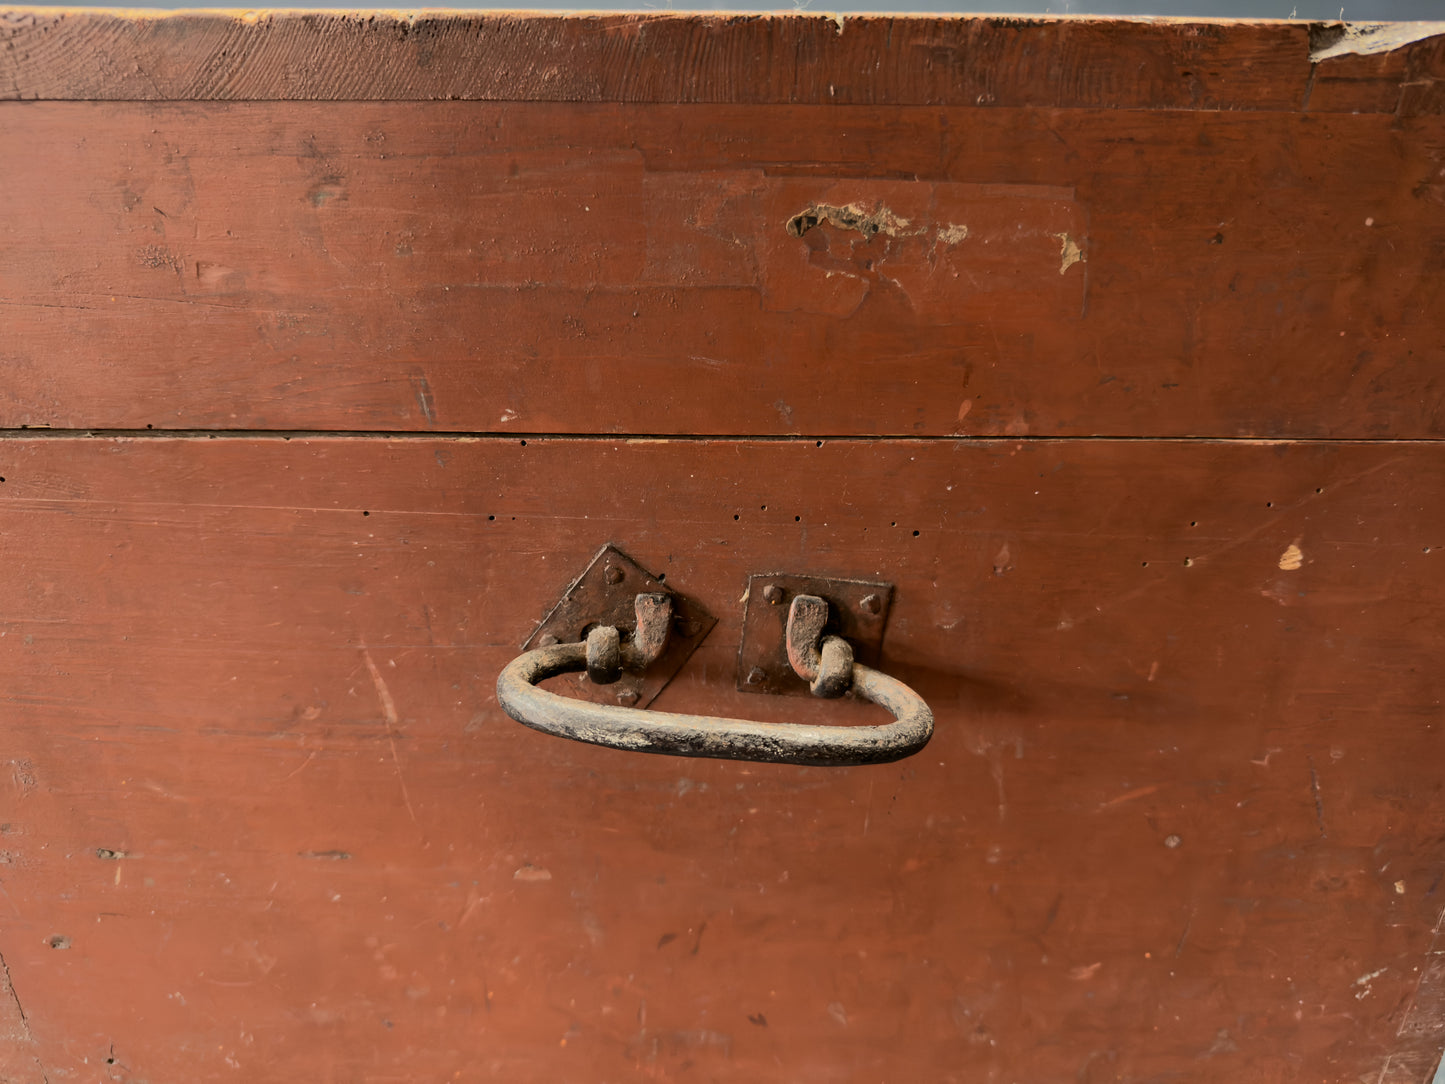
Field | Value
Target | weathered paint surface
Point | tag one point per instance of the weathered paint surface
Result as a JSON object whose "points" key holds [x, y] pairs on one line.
{"points": [[450, 266], [426, 296], [1178, 801]]}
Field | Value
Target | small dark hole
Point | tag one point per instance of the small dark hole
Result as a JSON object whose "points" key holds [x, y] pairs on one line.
{"points": [[662, 577], [1319, 489], [1194, 523], [148, 426], [2, 479], [797, 519], [762, 508], [366, 513], [1269, 504], [820, 444], [1188, 561], [524, 444], [490, 518], [1143, 564], [735, 516], [915, 534]]}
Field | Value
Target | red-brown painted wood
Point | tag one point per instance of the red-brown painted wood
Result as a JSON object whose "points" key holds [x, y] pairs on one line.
{"points": [[556, 268], [1181, 818]]}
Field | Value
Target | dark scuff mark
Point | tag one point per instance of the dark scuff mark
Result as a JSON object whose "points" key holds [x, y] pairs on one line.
{"points": [[666, 939], [697, 941], [335, 856]]}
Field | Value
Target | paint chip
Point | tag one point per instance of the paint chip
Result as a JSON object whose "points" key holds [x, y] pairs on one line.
{"points": [[1069, 252], [1399, 888], [1291, 559], [532, 873]]}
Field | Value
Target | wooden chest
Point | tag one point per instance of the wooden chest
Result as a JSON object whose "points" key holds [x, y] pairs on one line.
{"points": [[334, 348]]}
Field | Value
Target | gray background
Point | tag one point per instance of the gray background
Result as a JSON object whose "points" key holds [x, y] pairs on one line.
{"points": [[1354, 10]]}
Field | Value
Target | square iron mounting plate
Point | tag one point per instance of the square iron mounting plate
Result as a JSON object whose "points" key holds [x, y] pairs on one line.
{"points": [[857, 611], [603, 595]]}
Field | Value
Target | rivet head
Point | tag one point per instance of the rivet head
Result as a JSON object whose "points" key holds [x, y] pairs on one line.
{"points": [[773, 594], [756, 675], [547, 640], [615, 575], [870, 604], [627, 697]]}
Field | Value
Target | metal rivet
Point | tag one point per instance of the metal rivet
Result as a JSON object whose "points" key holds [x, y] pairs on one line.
{"points": [[547, 640], [615, 574], [756, 675], [871, 604], [773, 594], [627, 697]]}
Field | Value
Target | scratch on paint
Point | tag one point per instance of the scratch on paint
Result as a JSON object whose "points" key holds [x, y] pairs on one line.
{"points": [[1115, 601], [1129, 796], [388, 711], [1319, 802], [421, 388], [29, 1036]]}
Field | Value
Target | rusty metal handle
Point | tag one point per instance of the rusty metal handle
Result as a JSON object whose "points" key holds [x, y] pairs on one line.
{"points": [[708, 736]]}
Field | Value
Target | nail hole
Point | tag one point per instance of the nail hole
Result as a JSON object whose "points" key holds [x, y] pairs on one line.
{"points": [[1188, 561], [1143, 564], [366, 513], [735, 516], [490, 518], [524, 444], [797, 519], [915, 534]]}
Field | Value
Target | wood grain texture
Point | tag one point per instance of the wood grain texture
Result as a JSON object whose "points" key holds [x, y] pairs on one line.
{"points": [[604, 268], [667, 57], [1181, 819]]}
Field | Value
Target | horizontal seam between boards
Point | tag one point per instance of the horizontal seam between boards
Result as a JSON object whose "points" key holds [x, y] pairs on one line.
{"points": [[412, 435], [708, 103]]}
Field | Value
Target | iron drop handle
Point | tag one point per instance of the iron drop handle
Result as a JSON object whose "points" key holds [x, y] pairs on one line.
{"points": [[825, 661]]}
